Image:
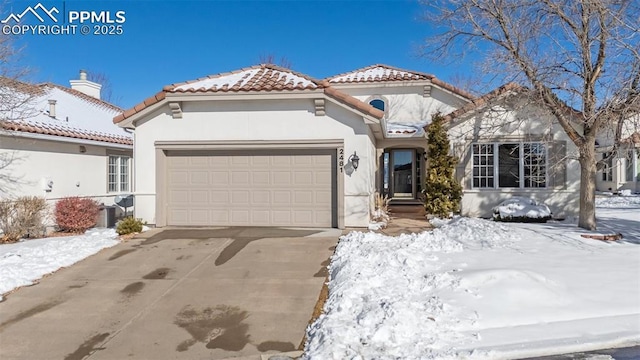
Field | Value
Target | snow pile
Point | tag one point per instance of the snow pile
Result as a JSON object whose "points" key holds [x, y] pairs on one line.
{"points": [[477, 289], [25, 262], [384, 294], [404, 129], [521, 208], [630, 201]]}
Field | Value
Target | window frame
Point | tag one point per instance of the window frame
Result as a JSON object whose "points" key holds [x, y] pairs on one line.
{"points": [[495, 176], [607, 170], [121, 175], [384, 100], [630, 166]]}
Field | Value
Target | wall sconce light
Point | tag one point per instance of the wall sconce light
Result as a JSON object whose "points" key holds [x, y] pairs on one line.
{"points": [[83, 149], [354, 160]]}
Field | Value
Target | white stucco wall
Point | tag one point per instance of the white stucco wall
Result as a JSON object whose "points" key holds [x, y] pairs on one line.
{"points": [[72, 173], [513, 124], [257, 120], [407, 104]]}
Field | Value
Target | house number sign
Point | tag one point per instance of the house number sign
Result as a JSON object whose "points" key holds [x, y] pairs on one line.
{"points": [[340, 159]]}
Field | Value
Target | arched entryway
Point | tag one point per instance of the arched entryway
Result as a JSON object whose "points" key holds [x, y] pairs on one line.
{"points": [[402, 173]]}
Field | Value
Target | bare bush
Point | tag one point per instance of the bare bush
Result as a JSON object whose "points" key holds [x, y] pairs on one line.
{"points": [[22, 217]]}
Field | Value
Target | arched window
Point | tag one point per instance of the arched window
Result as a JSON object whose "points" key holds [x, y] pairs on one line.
{"points": [[378, 104]]}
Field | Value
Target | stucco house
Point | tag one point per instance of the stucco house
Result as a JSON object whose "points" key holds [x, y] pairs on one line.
{"points": [[621, 170], [267, 146], [510, 146], [57, 141]]}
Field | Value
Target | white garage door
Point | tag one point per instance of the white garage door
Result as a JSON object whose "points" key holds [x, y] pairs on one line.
{"points": [[250, 188]]}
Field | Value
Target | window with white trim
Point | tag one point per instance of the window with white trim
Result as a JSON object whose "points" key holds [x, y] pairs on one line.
{"points": [[118, 174], [509, 165], [607, 170], [630, 172], [378, 104]]}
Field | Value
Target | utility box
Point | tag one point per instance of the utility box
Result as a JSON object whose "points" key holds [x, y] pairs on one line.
{"points": [[107, 217]]}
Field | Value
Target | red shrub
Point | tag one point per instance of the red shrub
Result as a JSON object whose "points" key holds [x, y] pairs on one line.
{"points": [[75, 214]]}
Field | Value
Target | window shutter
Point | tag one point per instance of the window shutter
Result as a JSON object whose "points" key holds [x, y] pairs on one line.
{"points": [[557, 164]]}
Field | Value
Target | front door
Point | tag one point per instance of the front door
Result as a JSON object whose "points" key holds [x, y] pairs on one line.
{"points": [[402, 173]]}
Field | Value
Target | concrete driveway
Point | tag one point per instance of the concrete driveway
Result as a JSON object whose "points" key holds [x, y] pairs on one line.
{"points": [[176, 294]]}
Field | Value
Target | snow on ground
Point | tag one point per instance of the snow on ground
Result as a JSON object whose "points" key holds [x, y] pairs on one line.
{"points": [[477, 289], [25, 262], [628, 201]]}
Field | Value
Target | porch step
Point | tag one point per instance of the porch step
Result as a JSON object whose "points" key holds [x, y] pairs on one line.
{"points": [[410, 210]]}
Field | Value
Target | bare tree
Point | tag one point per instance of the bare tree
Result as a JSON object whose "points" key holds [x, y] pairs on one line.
{"points": [[106, 92], [16, 103], [573, 54], [272, 59]]}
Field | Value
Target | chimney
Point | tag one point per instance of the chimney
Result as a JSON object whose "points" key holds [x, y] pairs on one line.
{"points": [[52, 108], [85, 86]]}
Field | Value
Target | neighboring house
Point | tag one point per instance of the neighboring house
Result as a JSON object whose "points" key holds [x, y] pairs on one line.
{"points": [[61, 142], [621, 170], [509, 146], [266, 146]]}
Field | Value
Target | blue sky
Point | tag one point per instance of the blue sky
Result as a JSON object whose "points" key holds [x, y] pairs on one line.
{"points": [[172, 41]]}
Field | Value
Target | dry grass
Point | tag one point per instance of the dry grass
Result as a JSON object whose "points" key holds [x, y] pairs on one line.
{"points": [[317, 309]]}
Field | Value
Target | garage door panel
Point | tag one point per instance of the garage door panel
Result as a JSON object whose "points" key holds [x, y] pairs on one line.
{"points": [[303, 197], [219, 217], [179, 197], [219, 178], [261, 217], [198, 161], [179, 178], [303, 177], [240, 217], [216, 161], [322, 198], [219, 197], [240, 178], [240, 160], [281, 160], [260, 177], [282, 197], [199, 178], [199, 197], [259, 188], [281, 178], [259, 197], [240, 197]]}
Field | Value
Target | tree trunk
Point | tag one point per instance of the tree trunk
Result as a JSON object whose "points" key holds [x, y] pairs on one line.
{"points": [[587, 218]]}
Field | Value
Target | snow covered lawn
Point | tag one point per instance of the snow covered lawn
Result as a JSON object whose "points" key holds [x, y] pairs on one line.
{"points": [[25, 262], [478, 289]]}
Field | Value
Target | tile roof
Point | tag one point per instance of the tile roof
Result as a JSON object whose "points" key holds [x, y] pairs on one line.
{"points": [[385, 73], [485, 99], [78, 115], [508, 88], [378, 73], [64, 131], [259, 78], [256, 78]]}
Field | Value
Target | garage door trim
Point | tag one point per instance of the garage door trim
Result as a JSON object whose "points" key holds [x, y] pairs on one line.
{"points": [[162, 147]]}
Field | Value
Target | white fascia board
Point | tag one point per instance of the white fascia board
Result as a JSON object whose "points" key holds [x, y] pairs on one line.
{"points": [[64, 139], [397, 84], [368, 119]]}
